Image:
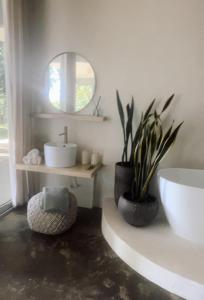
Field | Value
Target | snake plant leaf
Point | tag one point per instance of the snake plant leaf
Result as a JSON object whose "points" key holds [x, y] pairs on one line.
{"points": [[165, 138], [152, 125], [128, 113], [131, 118], [157, 118], [121, 112], [132, 105], [128, 109], [126, 125], [145, 153], [129, 121], [167, 103], [143, 146], [138, 131], [153, 143], [128, 129], [160, 137], [146, 115], [169, 143]]}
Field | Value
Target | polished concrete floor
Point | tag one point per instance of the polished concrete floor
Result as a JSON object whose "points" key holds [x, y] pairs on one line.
{"points": [[74, 266]]}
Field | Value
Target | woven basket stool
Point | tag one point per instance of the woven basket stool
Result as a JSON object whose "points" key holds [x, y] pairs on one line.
{"points": [[51, 223]]}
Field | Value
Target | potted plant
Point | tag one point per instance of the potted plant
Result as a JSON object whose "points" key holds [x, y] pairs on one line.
{"points": [[149, 146], [123, 169]]}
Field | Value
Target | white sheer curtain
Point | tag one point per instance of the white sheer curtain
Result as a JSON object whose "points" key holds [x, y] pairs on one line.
{"points": [[12, 15]]}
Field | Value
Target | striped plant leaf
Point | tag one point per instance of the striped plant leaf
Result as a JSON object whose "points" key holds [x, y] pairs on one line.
{"points": [[149, 109], [121, 112], [167, 103], [169, 142], [126, 125]]}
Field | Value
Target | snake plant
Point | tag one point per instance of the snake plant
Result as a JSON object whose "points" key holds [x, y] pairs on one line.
{"points": [[149, 145]]}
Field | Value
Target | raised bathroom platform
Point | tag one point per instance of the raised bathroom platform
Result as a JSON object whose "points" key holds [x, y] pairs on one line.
{"points": [[156, 253]]}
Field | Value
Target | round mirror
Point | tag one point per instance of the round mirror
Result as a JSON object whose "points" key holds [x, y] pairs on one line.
{"points": [[70, 82]]}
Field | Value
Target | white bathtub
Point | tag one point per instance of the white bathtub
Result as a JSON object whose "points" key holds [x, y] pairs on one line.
{"points": [[182, 196]]}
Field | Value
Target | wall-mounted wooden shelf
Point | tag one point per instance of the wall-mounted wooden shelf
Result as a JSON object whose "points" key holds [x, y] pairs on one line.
{"points": [[89, 118], [76, 171]]}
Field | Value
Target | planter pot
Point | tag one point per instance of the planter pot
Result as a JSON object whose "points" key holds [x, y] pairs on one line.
{"points": [[138, 213], [123, 179]]}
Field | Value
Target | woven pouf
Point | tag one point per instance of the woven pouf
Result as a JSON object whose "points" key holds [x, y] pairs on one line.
{"points": [[50, 222]]}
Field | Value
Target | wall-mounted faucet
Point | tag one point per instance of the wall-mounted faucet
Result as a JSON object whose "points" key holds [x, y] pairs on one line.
{"points": [[65, 134]]}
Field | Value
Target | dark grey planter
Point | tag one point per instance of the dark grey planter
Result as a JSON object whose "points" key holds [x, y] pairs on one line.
{"points": [[138, 213], [123, 179]]}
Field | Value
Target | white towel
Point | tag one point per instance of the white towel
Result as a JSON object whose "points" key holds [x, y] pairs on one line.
{"points": [[32, 158]]}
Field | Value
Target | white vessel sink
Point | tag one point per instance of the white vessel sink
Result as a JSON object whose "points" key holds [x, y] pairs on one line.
{"points": [[60, 155]]}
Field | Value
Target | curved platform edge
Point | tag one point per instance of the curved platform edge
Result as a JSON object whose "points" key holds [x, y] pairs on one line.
{"points": [[156, 273]]}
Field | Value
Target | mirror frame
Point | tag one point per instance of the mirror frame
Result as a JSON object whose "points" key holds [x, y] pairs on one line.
{"points": [[46, 99]]}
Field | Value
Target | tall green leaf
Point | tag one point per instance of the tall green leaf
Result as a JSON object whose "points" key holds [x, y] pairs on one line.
{"points": [[121, 112], [149, 109], [169, 142], [126, 125], [167, 103], [122, 119]]}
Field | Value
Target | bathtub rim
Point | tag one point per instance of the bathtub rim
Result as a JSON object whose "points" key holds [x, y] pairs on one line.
{"points": [[183, 184]]}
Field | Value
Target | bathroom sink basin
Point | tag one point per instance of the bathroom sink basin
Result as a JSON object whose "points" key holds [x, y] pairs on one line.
{"points": [[60, 155]]}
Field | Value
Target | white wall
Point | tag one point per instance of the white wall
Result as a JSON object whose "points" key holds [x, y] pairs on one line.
{"points": [[145, 48]]}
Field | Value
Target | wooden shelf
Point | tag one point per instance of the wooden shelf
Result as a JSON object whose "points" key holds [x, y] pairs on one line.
{"points": [[89, 118], [76, 171]]}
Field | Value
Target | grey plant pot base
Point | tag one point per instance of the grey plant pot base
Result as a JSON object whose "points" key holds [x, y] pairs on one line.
{"points": [[138, 213]]}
